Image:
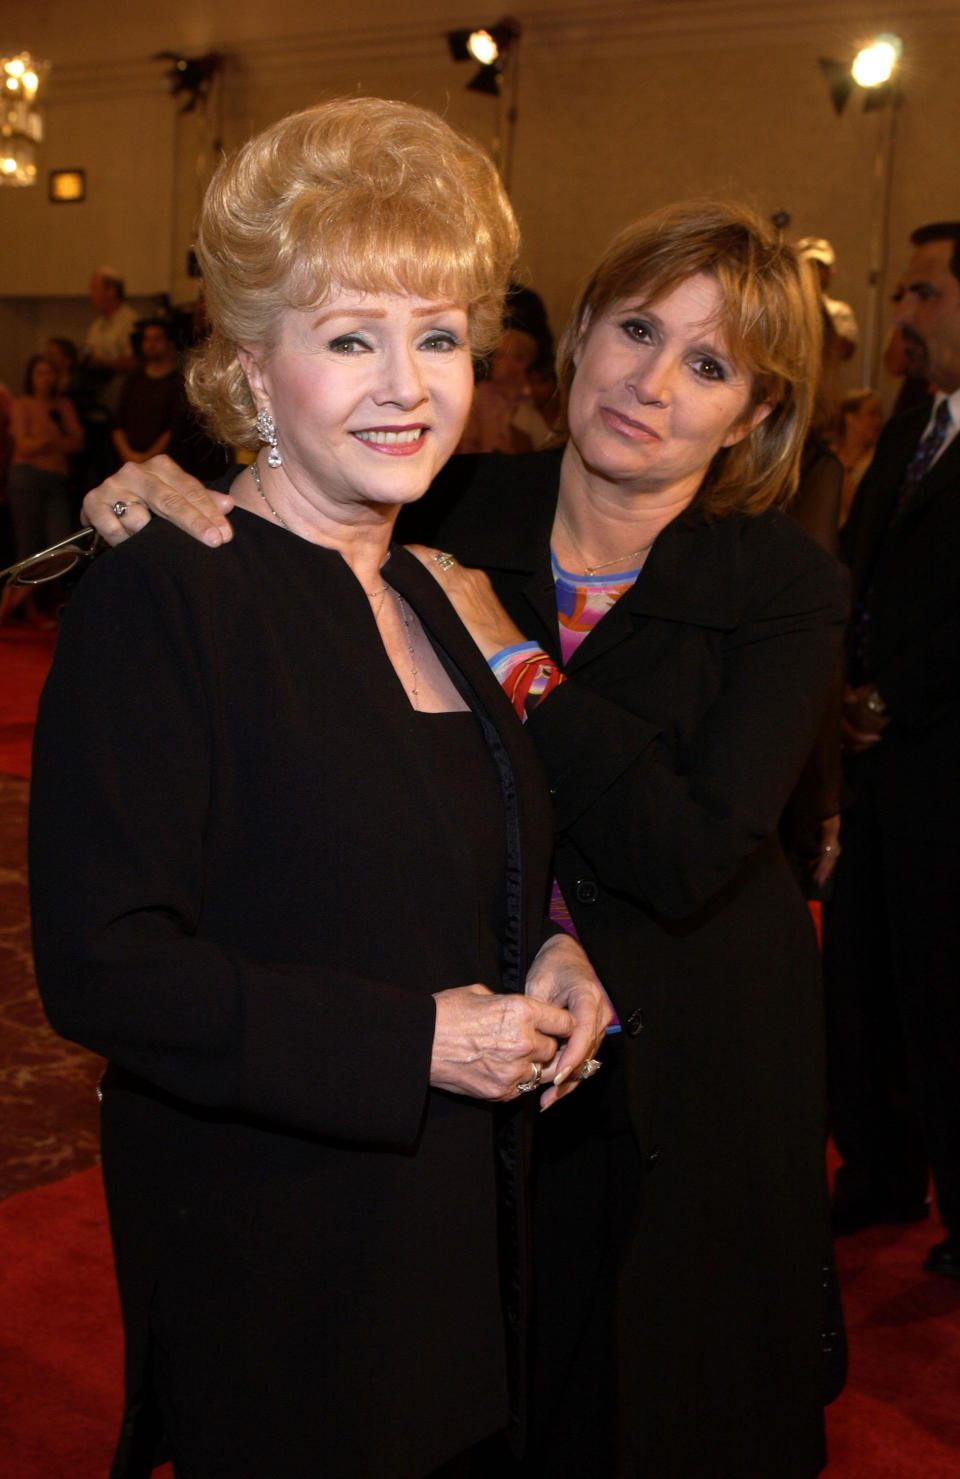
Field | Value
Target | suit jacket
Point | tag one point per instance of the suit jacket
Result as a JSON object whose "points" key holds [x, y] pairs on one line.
{"points": [[670, 750], [913, 656], [246, 887]]}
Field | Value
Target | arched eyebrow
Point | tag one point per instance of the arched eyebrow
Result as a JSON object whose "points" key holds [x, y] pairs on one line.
{"points": [[358, 310]]}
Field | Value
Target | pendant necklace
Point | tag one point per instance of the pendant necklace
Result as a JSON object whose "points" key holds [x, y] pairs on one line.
{"points": [[414, 670], [603, 564]]}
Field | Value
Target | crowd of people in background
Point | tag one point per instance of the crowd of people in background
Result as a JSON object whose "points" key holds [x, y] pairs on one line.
{"points": [[81, 413]]}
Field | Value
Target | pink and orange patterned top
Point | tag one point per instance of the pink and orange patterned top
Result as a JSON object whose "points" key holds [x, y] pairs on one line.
{"points": [[527, 674]]}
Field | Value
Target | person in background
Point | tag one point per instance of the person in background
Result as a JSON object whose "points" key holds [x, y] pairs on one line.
{"points": [[151, 398], [63, 357], [860, 422], [45, 432], [79, 382], [897, 361], [892, 933], [109, 341], [819, 252], [669, 634], [500, 397]]}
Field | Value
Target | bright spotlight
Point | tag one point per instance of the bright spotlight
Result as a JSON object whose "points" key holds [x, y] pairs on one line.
{"points": [[483, 48], [875, 63]]}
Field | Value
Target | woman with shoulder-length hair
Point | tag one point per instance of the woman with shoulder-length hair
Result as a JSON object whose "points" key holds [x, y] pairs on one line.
{"points": [[306, 921], [668, 633]]}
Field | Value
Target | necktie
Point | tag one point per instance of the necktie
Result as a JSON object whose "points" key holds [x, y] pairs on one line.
{"points": [[924, 453]]}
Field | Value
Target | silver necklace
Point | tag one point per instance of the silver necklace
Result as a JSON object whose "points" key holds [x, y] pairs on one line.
{"points": [[414, 670], [603, 564], [372, 596], [255, 471]]}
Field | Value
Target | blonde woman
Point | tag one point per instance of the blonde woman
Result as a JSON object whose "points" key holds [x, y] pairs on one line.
{"points": [[304, 921]]}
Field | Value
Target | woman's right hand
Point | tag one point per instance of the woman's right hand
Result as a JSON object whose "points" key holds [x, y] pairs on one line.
{"points": [[486, 1045], [157, 486]]}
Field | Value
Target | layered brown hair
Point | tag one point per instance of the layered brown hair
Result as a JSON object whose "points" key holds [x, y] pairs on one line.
{"points": [[770, 318]]}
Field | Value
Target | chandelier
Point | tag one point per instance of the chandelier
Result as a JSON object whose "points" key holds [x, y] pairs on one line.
{"points": [[21, 122]]}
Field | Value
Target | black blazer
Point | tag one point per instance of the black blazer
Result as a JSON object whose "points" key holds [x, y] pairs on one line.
{"points": [[245, 890], [671, 750], [914, 651]]}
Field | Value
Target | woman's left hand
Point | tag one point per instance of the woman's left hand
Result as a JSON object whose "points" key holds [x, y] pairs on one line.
{"points": [[471, 595], [561, 974]]}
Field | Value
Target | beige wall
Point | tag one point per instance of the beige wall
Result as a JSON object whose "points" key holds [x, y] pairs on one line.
{"points": [[621, 106]]}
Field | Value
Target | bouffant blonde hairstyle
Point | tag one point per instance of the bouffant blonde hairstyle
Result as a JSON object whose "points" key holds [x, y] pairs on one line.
{"points": [[770, 319], [360, 193]]}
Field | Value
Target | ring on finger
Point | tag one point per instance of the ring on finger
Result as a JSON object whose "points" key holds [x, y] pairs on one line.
{"points": [[119, 508], [592, 1066], [531, 1082], [445, 561]]}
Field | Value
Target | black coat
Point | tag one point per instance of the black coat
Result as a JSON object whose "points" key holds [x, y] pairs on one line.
{"points": [[246, 887], [892, 935], [670, 751], [914, 649]]}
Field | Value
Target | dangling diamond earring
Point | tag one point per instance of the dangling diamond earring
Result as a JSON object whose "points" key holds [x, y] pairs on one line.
{"points": [[267, 432]]}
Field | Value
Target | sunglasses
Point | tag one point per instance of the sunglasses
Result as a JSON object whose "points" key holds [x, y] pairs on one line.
{"points": [[50, 564]]}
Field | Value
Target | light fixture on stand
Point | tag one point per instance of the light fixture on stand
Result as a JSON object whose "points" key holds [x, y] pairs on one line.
{"points": [[874, 72], [21, 121], [490, 46], [495, 49], [190, 77]]}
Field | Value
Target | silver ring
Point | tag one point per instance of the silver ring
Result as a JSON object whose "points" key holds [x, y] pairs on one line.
{"points": [[531, 1082], [445, 561], [589, 1068], [119, 508]]}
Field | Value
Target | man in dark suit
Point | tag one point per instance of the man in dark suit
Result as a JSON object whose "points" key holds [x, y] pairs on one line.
{"points": [[892, 934]]}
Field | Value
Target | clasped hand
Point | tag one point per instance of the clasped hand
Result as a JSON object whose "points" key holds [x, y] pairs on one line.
{"points": [[486, 1044]]}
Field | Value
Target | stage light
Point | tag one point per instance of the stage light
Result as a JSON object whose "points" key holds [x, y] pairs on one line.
{"points": [[193, 77], [874, 64], [487, 45], [483, 48]]}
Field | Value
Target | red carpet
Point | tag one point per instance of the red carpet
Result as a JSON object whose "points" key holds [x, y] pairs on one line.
{"points": [[24, 660], [61, 1347], [61, 1344]]}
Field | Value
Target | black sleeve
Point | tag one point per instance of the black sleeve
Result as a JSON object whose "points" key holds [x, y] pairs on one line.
{"points": [[126, 742], [669, 831]]}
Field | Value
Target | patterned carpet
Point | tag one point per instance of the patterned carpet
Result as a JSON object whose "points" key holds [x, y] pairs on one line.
{"points": [[48, 1104]]}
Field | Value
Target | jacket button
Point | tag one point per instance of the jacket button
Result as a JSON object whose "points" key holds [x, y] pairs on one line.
{"points": [[653, 1155], [587, 891], [634, 1023]]}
